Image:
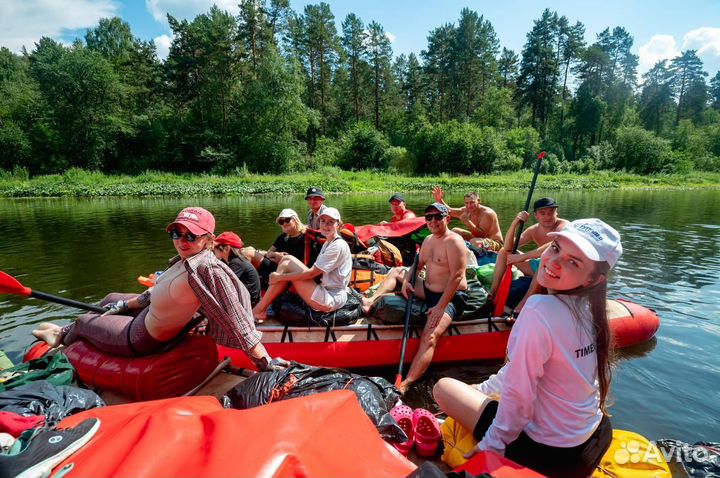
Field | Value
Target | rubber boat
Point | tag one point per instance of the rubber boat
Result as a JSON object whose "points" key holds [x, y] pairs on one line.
{"points": [[365, 344]]}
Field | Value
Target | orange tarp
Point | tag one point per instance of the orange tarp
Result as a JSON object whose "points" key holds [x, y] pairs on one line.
{"points": [[322, 435]]}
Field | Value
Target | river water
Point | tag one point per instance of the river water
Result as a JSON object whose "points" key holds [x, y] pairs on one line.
{"points": [[667, 388]]}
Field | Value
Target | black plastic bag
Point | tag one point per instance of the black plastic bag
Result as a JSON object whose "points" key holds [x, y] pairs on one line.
{"points": [[290, 309], [699, 460], [43, 398], [375, 394]]}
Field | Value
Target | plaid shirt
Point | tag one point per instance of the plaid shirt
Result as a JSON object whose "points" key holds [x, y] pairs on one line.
{"points": [[314, 219], [223, 300]]}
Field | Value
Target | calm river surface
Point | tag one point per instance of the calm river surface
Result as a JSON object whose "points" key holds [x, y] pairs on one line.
{"points": [[668, 388]]}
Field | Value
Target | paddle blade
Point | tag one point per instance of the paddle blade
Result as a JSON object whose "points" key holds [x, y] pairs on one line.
{"points": [[10, 285], [541, 155], [503, 292]]}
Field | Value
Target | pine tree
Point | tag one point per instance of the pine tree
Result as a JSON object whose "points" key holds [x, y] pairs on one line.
{"points": [[378, 54], [689, 81]]}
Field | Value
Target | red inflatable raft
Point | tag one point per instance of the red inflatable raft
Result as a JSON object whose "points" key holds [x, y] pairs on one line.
{"points": [[368, 345]]}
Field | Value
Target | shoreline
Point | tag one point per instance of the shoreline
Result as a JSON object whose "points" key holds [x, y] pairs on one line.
{"points": [[81, 183]]}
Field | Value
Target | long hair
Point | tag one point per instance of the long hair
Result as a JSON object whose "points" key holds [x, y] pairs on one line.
{"points": [[604, 350], [235, 252], [299, 226]]}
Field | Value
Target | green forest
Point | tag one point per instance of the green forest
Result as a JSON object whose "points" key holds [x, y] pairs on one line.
{"points": [[273, 90]]}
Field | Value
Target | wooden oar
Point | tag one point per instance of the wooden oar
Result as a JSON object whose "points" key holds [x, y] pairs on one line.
{"points": [[504, 288], [408, 310], [10, 285]]}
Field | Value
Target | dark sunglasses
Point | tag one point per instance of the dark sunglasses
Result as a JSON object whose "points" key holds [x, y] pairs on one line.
{"points": [[284, 220], [437, 217], [189, 236]]}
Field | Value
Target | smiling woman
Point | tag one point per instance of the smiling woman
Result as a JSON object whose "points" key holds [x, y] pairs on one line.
{"points": [[195, 280], [545, 408]]}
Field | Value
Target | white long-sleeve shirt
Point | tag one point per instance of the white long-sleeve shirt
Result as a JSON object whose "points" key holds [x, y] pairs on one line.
{"points": [[549, 386]]}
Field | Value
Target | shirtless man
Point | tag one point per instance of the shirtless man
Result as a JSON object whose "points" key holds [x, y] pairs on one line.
{"points": [[482, 221], [545, 212], [399, 209], [443, 290]]}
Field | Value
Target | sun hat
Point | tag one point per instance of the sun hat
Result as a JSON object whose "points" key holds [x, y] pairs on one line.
{"points": [[596, 239], [440, 207], [544, 203], [288, 213], [199, 221], [229, 238], [331, 212], [314, 192]]}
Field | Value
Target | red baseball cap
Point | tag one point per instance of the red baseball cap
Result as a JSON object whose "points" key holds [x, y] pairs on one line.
{"points": [[229, 238], [199, 221]]}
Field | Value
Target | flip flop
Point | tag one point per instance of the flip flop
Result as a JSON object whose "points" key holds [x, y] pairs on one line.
{"points": [[403, 415], [427, 432]]}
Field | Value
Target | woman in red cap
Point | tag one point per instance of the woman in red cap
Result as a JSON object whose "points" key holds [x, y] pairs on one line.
{"points": [[227, 248], [195, 281]]}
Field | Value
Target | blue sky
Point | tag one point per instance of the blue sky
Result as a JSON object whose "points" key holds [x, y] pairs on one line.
{"points": [[661, 28]]}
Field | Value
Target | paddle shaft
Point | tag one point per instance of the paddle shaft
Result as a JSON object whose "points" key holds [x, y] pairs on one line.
{"points": [[520, 227], [505, 282], [406, 329], [68, 302]]}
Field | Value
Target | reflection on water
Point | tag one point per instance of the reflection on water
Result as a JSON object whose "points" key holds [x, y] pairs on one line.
{"points": [[667, 388]]}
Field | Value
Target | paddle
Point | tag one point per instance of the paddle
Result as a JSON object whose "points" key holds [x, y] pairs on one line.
{"points": [[504, 288], [10, 285], [408, 310]]}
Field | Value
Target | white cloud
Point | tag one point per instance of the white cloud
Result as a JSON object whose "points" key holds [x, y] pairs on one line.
{"points": [[660, 47], [187, 9], [24, 22], [162, 45], [705, 40], [390, 37]]}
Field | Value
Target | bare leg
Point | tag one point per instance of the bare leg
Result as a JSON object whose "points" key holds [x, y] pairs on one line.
{"points": [[534, 288], [500, 266], [388, 285], [467, 235], [461, 401], [288, 264], [50, 333], [426, 350]]}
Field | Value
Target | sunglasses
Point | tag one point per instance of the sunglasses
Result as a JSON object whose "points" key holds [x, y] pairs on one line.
{"points": [[284, 220], [189, 236], [437, 217]]}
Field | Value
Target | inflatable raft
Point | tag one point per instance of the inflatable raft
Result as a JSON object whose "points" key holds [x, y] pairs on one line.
{"points": [[370, 345]]}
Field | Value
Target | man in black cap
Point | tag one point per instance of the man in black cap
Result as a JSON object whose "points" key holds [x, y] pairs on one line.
{"points": [[545, 212], [397, 206], [315, 199], [442, 255]]}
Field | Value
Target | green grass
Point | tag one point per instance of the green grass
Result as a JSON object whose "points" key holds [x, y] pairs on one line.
{"points": [[80, 183]]}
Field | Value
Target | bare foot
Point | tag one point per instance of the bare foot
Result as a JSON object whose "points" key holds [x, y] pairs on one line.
{"points": [[49, 333], [366, 305]]}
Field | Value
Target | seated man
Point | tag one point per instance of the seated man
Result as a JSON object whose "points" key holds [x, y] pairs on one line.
{"points": [[545, 212], [398, 208], [442, 255], [316, 203], [482, 222]]}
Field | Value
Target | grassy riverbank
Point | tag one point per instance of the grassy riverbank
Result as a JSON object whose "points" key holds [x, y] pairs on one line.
{"points": [[80, 183]]}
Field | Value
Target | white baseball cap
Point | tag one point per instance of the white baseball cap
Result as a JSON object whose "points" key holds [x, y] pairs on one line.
{"points": [[596, 239], [288, 213], [331, 212]]}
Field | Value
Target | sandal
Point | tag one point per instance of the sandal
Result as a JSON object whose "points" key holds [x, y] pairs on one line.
{"points": [[427, 432], [403, 415]]}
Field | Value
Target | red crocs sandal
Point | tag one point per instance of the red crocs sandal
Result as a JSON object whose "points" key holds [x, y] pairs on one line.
{"points": [[427, 432], [403, 415]]}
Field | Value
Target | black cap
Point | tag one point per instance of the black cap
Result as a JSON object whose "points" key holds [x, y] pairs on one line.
{"points": [[396, 197], [439, 207], [314, 192], [544, 203]]}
